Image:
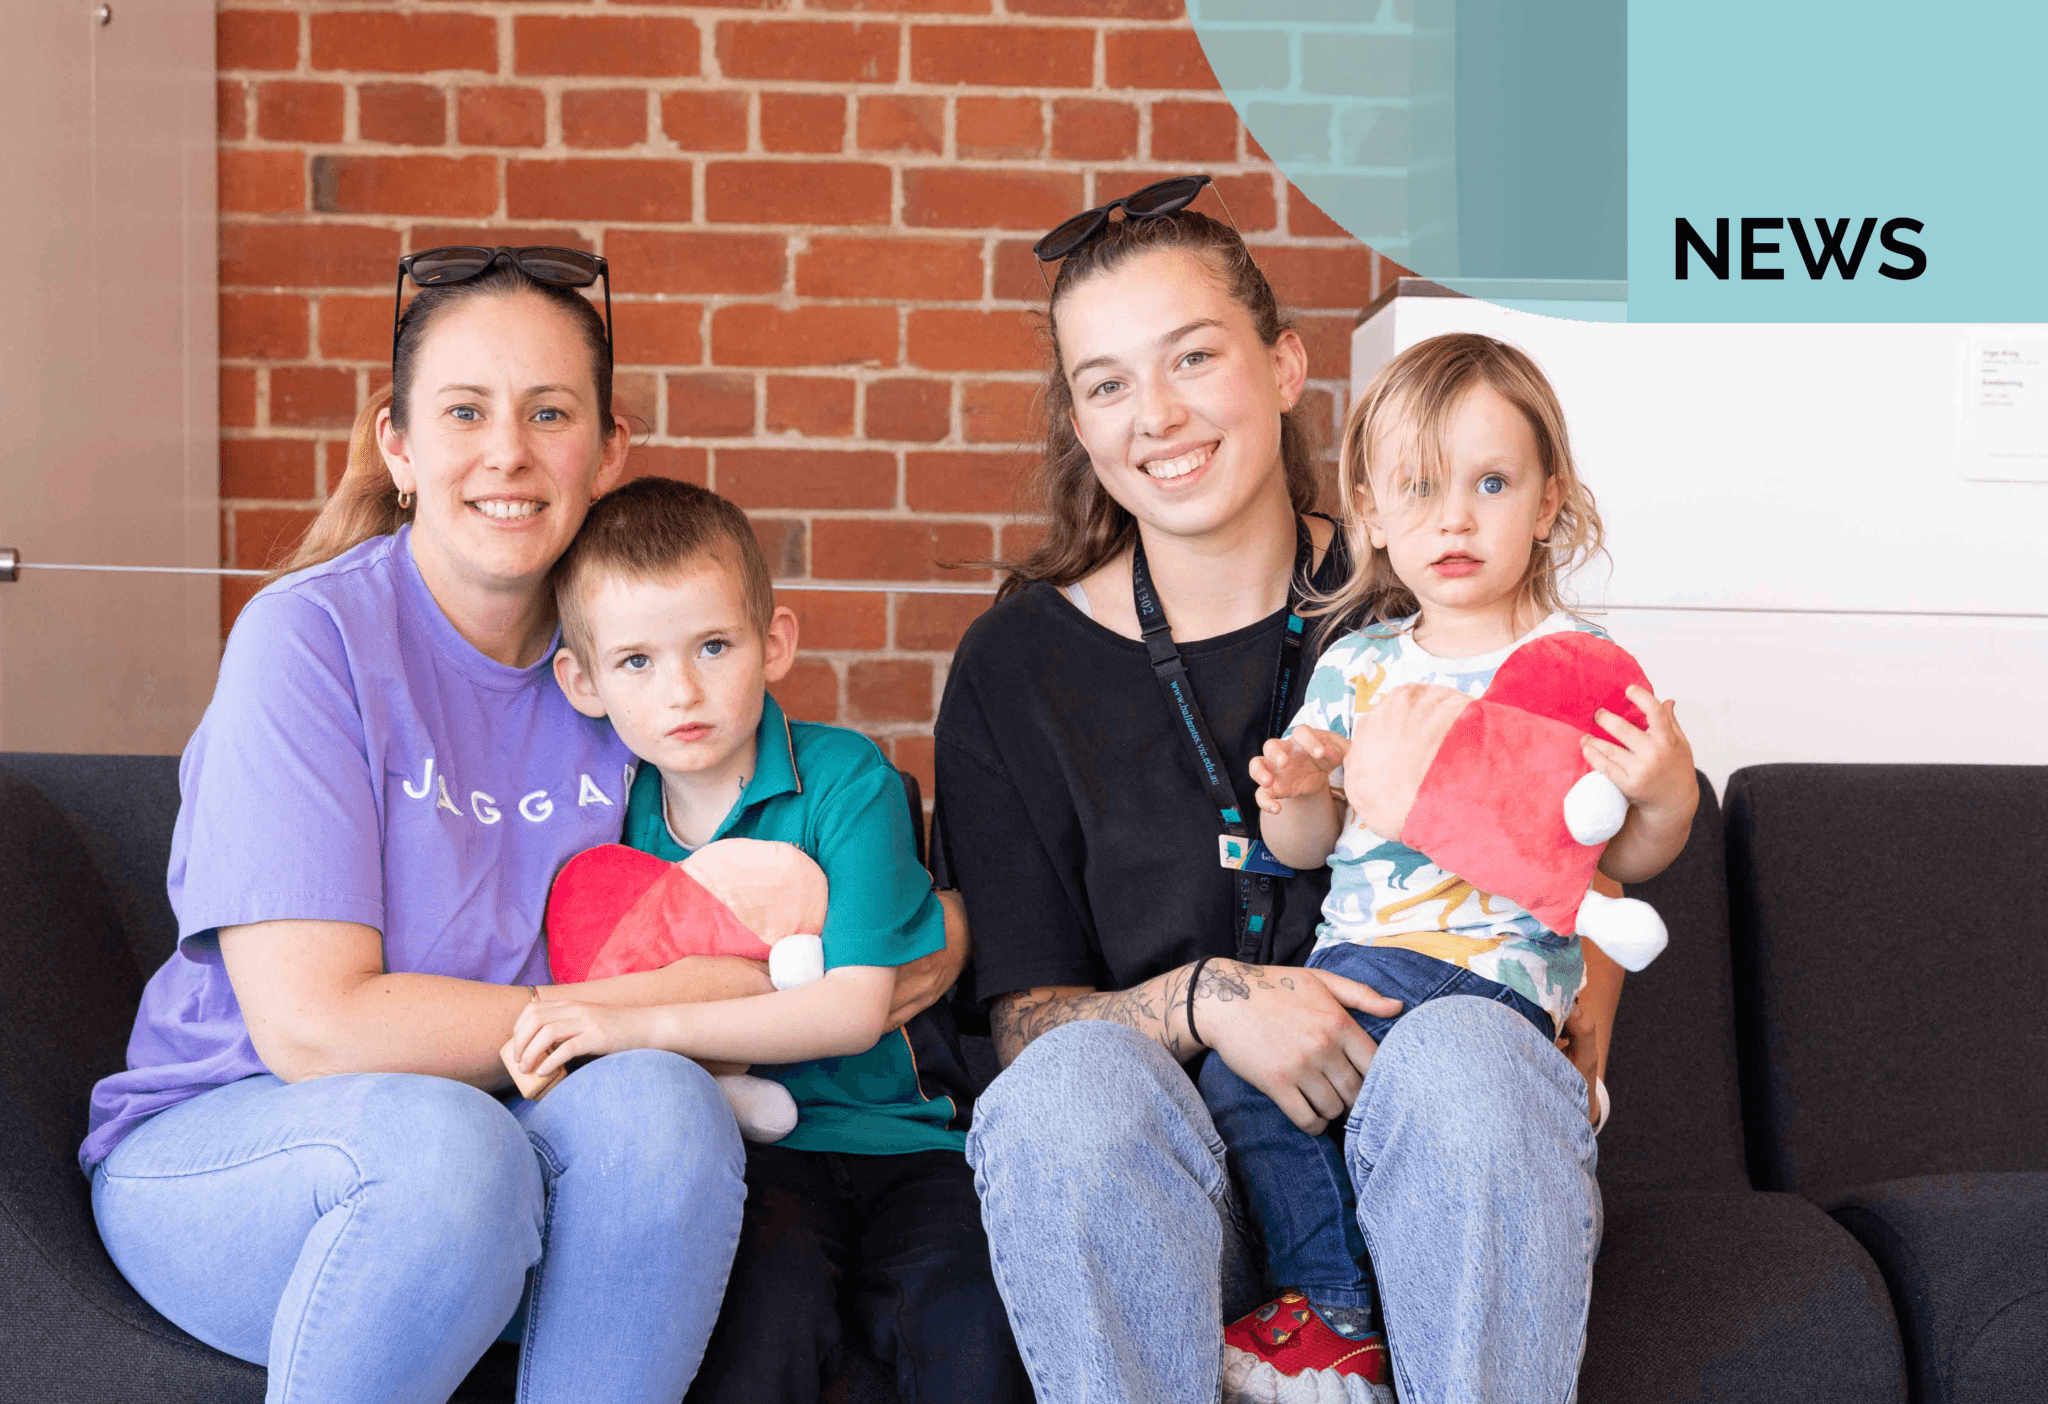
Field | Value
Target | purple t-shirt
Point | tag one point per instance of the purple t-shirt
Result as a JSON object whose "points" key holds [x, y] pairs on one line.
{"points": [[361, 762]]}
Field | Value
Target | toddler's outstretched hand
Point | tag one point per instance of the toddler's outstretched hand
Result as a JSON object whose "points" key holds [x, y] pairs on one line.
{"points": [[1296, 766]]}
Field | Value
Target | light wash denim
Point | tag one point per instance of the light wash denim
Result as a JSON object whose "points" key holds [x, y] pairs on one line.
{"points": [[1120, 1247], [1297, 1187], [366, 1236]]}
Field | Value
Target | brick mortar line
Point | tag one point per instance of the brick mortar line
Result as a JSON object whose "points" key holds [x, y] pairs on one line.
{"points": [[504, 24], [761, 439], [659, 297], [784, 300], [718, 302], [323, 219], [477, 78], [886, 584], [892, 514], [971, 448], [708, 16], [864, 374], [770, 439], [1088, 168], [557, 86], [684, 9], [896, 158], [379, 220]]}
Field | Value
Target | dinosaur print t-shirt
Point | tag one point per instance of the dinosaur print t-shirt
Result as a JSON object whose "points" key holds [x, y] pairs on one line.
{"points": [[1384, 893]]}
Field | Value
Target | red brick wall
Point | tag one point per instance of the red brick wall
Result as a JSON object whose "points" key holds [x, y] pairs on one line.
{"points": [[819, 215]]}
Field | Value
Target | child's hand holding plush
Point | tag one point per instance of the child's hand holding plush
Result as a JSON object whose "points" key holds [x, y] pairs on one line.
{"points": [[1652, 766]]}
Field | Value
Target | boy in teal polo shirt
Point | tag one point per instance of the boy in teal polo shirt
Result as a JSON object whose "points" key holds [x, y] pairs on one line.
{"points": [[865, 1215]]}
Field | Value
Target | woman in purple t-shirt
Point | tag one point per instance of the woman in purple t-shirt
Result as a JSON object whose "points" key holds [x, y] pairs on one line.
{"points": [[305, 1164]]}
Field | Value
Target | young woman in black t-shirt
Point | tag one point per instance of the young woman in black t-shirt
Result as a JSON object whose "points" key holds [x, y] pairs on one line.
{"points": [[1088, 774]]}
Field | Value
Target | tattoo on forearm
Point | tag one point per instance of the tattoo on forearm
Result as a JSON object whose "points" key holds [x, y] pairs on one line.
{"points": [[1156, 1008], [1017, 1019]]}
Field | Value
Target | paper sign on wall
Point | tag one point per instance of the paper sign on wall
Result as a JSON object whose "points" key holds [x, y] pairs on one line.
{"points": [[2005, 406]]}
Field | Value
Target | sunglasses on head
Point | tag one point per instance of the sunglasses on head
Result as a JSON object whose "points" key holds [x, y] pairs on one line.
{"points": [[458, 263], [1163, 197]]}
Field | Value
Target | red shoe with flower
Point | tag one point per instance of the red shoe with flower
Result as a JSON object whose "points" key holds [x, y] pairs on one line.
{"points": [[1284, 1353]]}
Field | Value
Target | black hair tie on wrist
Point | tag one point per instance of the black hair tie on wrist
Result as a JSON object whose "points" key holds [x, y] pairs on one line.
{"points": [[1194, 979]]}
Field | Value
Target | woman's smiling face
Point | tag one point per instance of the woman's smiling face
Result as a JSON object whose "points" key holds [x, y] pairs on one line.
{"points": [[506, 446], [1176, 399]]}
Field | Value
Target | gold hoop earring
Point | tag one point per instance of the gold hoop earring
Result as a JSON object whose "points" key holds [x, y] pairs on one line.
{"points": [[405, 501]]}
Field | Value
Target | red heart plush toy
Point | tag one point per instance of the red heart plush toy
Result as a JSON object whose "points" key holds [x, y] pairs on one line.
{"points": [[1505, 798], [614, 910]]}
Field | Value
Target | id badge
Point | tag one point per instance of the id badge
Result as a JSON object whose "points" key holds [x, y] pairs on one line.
{"points": [[1249, 855]]}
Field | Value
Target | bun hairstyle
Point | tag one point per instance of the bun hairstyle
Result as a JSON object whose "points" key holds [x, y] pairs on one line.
{"points": [[1399, 425], [1085, 526], [365, 502]]}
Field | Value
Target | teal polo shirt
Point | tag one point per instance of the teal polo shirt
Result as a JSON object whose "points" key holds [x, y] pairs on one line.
{"points": [[829, 791]]}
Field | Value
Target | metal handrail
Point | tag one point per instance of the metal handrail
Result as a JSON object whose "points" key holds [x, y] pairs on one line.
{"points": [[11, 566]]}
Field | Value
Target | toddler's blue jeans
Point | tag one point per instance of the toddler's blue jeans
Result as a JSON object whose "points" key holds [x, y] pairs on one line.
{"points": [[1296, 1188], [366, 1236]]}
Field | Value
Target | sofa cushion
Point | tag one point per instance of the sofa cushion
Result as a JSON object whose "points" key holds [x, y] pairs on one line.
{"points": [[71, 989], [1671, 1064], [1744, 1297], [1890, 979], [1966, 1257], [122, 809], [79, 1331]]}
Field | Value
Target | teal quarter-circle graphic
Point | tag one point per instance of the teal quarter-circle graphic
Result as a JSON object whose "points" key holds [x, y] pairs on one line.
{"points": [[1481, 143], [1648, 160]]}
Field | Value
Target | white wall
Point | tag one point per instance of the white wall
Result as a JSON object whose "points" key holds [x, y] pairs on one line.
{"points": [[1797, 556]]}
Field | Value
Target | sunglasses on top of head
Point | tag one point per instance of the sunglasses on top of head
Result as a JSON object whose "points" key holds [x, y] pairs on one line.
{"points": [[459, 263], [1162, 197]]}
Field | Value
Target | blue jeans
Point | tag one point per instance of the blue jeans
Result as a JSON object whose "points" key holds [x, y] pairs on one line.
{"points": [[1295, 1185], [1120, 1248], [366, 1236]]}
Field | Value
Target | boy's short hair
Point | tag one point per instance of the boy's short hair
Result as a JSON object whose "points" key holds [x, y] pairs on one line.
{"points": [[653, 529]]}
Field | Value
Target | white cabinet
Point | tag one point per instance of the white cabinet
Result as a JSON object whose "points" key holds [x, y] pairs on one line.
{"points": [[1797, 555]]}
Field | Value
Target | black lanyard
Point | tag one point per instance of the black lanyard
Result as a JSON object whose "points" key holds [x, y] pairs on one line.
{"points": [[1257, 869]]}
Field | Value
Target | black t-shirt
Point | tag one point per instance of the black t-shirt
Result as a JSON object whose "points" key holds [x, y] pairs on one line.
{"points": [[1069, 811]]}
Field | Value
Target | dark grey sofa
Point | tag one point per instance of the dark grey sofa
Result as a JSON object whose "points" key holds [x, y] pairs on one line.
{"points": [[1706, 1288], [1740, 1090], [1892, 970]]}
